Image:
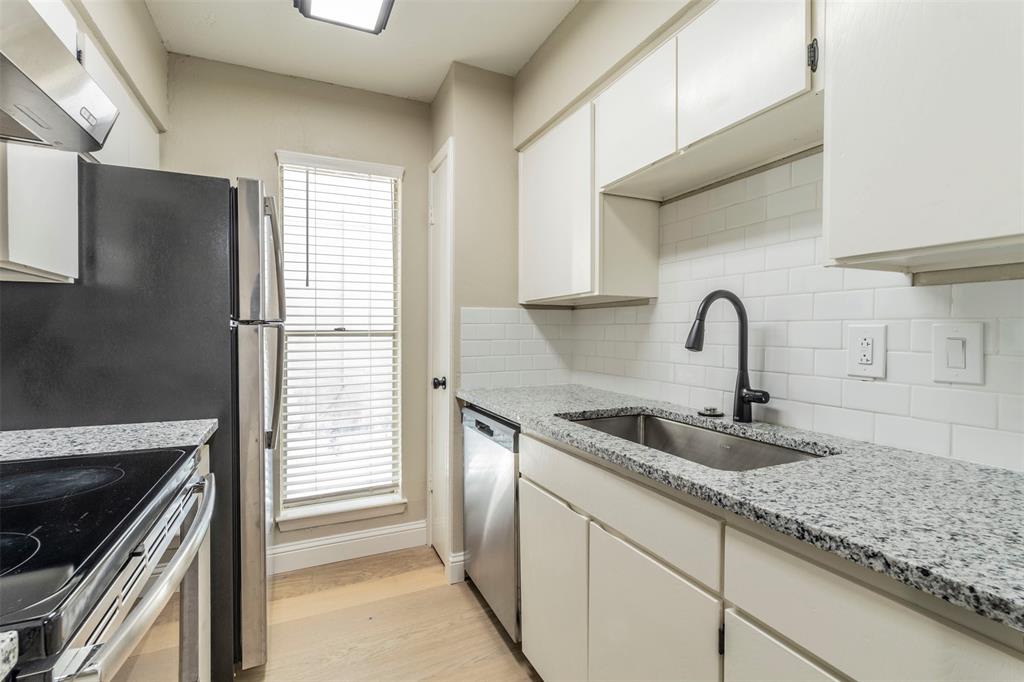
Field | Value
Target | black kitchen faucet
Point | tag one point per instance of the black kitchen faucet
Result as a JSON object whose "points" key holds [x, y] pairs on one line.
{"points": [[695, 342]]}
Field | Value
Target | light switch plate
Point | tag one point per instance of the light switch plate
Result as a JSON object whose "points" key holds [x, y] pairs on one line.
{"points": [[865, 351], [948, 364]]}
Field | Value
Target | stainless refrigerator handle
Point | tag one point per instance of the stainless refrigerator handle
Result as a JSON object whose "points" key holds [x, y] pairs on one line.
{"points": [[270, 207], [104, 660], [275, 419]]}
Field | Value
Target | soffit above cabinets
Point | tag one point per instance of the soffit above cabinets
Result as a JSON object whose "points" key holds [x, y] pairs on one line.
{"points": [[408, 59]]}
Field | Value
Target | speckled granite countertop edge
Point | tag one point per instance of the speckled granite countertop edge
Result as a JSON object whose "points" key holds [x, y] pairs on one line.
{"points": [[937, 556], [8, 652], [84, 440]]}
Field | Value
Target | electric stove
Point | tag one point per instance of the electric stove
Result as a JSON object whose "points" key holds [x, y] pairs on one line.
{"points": [[67, 527]]}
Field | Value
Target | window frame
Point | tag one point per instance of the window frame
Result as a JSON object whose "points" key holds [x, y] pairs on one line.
{"points": [[339, 510]]}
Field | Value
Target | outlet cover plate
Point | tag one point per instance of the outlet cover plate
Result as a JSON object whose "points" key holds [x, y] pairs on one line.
{"points": [[972, 334], [854, 334]]}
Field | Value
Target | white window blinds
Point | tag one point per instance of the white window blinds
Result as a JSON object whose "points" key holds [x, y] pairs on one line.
{"points": [[341, 395]]}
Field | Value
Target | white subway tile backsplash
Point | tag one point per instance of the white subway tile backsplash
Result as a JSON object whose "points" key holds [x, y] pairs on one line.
{"points": [[799, 311], [1011, 413], [816, 334], [766, 283], [815, 278], [842, 422], [791, 254], [985, 446], [913, 434], [818, 390], [876, 396], [770, 181], [909, 302], [746, 213], [1011, 336], [844, 305], [972, 408], [795, 200], [793, 307], [807, 169], [989, 299]]}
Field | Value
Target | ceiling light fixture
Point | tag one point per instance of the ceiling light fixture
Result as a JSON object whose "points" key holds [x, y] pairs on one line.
{"points": [[370, 16]]}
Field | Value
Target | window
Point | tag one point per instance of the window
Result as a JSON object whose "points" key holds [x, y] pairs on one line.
{"points": [[341, 408]]}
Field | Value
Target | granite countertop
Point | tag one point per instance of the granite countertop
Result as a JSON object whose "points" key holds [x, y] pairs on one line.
{"points": [[8, 652], [946, 527], [84, 440]]}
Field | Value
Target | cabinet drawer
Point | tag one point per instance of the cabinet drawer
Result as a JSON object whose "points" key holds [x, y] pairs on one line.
{"points": [[683, 537], [752, 655], [860, 632]]}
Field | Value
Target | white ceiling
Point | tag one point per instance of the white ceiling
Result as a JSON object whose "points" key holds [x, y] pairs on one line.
{"points": [[409, 59]]}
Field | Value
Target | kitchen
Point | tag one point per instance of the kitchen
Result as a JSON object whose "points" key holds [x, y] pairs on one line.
{"points": [[393, 345]]}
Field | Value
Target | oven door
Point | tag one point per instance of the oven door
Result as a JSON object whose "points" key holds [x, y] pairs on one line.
{"points": [[123, 618]]}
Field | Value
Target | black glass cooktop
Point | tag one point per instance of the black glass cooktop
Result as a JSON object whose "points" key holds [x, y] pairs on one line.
{"points": [[62, 521]]}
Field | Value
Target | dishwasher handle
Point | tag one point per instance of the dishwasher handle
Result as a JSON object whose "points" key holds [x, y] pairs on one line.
{"points": [[502, 432]]}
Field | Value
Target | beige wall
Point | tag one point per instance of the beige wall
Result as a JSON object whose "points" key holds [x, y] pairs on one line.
{"points": [[126, 32], [474, 107], [229, 120], [595, 37]]}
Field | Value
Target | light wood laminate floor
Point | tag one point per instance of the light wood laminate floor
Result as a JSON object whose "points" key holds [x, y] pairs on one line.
{"points": [[387, 617]]}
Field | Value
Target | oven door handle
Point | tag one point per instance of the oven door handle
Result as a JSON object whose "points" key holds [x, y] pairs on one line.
{"points": [[104, 660]]}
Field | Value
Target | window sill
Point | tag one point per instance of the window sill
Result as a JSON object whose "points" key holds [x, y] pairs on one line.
{"points": [[328, 513]]}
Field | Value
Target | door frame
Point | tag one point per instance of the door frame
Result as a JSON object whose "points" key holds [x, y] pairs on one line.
{"points": [[452, 562]]}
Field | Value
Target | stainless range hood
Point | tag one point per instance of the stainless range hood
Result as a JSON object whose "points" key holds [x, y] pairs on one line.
{"points": [[46, 96]]}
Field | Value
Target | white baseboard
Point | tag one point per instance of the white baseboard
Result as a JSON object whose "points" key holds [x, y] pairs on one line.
{"points": [[455, 568], [291, 556]]}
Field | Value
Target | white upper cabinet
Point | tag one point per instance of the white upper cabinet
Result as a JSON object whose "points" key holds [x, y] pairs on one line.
{"points": [[737, 59], [556, 203], [576, 245], [635, 118], [924, 134], [38, 214]]}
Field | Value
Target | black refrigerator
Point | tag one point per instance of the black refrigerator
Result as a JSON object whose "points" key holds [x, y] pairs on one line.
{"points": [[177, 314]]}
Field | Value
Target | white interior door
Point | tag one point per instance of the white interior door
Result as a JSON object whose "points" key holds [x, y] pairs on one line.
{"points": [[440, 469]]}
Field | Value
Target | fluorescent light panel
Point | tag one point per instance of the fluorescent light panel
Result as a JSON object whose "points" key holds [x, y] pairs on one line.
{"points": [[365, 15]]}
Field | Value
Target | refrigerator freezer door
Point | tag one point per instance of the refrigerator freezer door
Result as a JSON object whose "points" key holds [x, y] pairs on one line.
{"points": [[254, 482], [260, 263]]}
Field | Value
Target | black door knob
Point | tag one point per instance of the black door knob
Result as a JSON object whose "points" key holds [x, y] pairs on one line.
{"points": [[440, 383]]}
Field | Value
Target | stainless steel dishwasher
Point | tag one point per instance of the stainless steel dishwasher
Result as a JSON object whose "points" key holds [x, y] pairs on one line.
{"points": [[490, 466]]}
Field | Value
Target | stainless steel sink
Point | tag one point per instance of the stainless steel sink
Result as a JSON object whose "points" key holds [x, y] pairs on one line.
{"points": [[710, 448]]}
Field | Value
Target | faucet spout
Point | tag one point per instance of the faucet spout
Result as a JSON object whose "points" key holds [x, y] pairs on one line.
{"points": [[744, 395]]}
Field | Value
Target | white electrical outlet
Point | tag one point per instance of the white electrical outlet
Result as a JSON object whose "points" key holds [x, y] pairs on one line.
{"points": [[865, 351]]}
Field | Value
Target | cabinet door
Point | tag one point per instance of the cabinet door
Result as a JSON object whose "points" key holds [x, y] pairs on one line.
{"points": [[924, 125], [752, 655], [737, 59], [556, 247], [39, 230], [553, 568], [635, 118], [646, 622]]}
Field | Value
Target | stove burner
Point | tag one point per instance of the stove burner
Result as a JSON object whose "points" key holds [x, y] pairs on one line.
{"points": [[16, 549], [31, 487]]}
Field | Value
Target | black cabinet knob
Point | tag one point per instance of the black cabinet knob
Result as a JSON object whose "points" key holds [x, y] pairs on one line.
{"points": [[440, 383]]}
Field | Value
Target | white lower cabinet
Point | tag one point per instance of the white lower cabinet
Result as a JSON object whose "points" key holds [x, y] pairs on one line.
{"points": [[608, 594], [753, 655], [647, 622], [553, 575]]}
